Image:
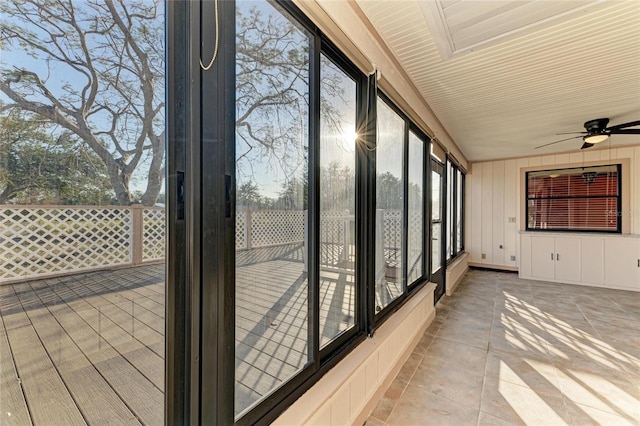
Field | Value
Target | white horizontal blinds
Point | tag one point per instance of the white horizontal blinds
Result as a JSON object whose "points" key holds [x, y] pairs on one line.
{"points": [[574, 199]]}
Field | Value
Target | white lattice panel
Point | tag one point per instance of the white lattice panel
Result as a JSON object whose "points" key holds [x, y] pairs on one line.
{"points": [[392, 229], [45, 241], [241, 232], [153, 234], [332, 226], [271, 227]]}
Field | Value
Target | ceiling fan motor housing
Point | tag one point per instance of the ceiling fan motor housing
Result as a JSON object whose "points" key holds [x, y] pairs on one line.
{"points": [[596, 126]]}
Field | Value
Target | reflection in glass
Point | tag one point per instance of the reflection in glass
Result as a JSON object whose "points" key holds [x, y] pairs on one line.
{"points": [[436, 221], [450, 209], [271, 200], [82, 218], [415, 268], [337, 201], [459, 213], [389, 205]]}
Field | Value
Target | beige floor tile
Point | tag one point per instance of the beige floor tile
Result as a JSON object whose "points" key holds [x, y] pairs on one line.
{"points": [[383, 409], [523, 405], [420, 407], [463, 356], [409, 367], [424, 343], [467, 331], [372, 421], [539, 374], [523, 352], [488, 420], [582, 415], [604, 393], [450, 381]]}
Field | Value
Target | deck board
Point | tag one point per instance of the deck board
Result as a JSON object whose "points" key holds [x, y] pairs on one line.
{"points": [[93, 395], [14, 409], [102, 333], [50, 402]]}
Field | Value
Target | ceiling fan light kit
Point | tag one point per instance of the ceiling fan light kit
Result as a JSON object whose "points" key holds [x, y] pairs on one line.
{"points": [[594, 139]]}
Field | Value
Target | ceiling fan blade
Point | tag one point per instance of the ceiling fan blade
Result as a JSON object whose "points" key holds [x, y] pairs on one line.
{"points": [[625, 132], [623, 125], [587, 145], [572, 133], [553, 143]]}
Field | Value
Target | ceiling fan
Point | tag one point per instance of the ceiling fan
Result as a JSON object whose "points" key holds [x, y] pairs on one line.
{"points": [[597, 131]]}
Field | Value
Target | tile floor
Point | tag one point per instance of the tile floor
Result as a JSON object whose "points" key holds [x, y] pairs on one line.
{"points": [[505, 351]]}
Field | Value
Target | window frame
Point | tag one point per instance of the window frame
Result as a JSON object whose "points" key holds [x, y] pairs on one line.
{"points": [[458, 205], [201, 388], [408, 288], [618, 197]]}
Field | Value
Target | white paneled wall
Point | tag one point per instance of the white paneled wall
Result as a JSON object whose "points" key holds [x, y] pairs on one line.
{"points": [[493, 201]]}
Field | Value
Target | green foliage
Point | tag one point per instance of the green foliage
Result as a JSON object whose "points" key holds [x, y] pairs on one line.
{"points": [[388, 191], [40, 166], [95, 69]]}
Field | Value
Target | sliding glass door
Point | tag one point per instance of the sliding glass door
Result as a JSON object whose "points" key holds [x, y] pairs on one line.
{"points": [[437, 228]]}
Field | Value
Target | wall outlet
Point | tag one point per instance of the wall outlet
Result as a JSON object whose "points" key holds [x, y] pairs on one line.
{"points": [[512, 219], [513, 258], [484, 255]]}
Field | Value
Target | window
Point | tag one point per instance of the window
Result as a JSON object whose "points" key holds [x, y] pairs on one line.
{"points": [[415, 236], [272, 143], [390, 255], [328, 195], [84, 291], [337, 200], [576, 199], [455, 206], [399, 205]]}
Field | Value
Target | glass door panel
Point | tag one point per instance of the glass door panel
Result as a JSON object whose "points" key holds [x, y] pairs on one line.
{"points": [[82, 280], [437, 230], [272, 134], [389, 253], [337, 201], [415, 235]]}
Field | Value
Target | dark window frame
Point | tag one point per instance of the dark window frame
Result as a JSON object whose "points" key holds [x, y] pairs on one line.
{"points": [[618, 198], [200, 350], [408, 288], [452, 190]]}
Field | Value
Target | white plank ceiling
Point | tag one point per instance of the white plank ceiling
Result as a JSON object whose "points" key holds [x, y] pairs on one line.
{"points": [[506, 76]]}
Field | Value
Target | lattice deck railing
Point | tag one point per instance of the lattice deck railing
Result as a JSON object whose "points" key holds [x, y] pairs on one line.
{"points": [[41, 241]]}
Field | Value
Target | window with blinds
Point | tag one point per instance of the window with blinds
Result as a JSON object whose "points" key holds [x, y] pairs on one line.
{"points": [[576, 199]]}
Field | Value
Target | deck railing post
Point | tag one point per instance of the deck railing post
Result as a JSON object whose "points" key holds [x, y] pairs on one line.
{"points": [[305, 251], [379, 255], [248, 225], [137, 211], [345, 236]]}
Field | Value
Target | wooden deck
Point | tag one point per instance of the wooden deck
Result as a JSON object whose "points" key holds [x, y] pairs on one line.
{"points": [[89, 348]]}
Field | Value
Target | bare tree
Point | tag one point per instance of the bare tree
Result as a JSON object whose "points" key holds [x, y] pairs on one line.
{"points": [[96, 69], [272, 93]]}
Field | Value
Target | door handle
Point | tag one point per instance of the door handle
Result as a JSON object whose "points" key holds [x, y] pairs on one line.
{"points": [[551, 256], [557, 256]]}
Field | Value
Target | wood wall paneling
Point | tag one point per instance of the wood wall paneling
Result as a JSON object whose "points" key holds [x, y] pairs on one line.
{"points": [[487, 213], [494, 195], [475, 210], [510, 181], [498, 213]]}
